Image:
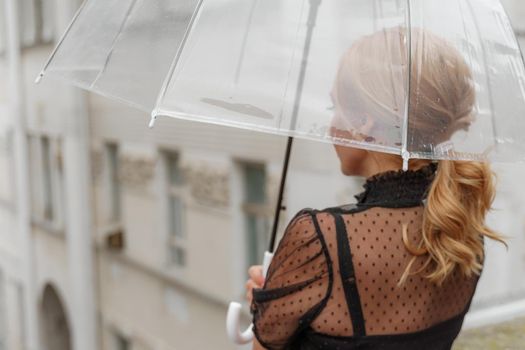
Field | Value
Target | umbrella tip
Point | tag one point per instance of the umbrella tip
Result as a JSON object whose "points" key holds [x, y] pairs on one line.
{"points": [[153, 119], [406, 156], [39, 77]]}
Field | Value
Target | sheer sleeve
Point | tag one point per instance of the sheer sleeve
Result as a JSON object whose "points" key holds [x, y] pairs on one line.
{"points": [[297, 285]]}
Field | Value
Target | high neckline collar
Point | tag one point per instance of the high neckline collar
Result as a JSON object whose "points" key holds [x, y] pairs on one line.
{"points": [[397, 188]]}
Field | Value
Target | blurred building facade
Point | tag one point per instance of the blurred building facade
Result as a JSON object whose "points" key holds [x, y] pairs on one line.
{"points": [[117, 237]]}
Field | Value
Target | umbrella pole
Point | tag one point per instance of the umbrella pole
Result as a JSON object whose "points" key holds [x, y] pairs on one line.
{"points": [[234, 310], [279, 206], [312, 18]]}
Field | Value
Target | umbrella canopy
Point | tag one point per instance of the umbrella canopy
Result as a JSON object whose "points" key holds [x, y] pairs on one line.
{"points": [[372, 70], [435, 79]]}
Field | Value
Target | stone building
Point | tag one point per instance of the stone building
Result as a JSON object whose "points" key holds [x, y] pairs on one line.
{"points": [[116, 237]]}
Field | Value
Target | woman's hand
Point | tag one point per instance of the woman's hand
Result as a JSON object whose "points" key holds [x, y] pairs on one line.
{"points": [[256, 280]]}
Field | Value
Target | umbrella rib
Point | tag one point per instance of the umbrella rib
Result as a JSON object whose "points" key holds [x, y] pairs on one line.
{"points": [[114, 43], [289, 73], [404, 152], [244, 41], [166, 82], [487, 72], [62, 38], [312, 17]]}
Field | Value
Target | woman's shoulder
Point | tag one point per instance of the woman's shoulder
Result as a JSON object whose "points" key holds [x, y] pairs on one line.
{"points": [[343, 208], [351, 208], [305, 233], [314, 224], [353, 220], [314, 218]]}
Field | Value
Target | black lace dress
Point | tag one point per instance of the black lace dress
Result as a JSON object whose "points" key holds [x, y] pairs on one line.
{"points": [[332, 282]]}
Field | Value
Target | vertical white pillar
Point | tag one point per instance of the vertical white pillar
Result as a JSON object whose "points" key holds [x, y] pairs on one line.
{"points": [[79, 227], [79, 216], [238, 240], [17, 112]]}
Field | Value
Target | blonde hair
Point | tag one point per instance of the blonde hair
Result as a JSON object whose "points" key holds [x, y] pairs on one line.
{"points": [[372, 80], [458, 200]]}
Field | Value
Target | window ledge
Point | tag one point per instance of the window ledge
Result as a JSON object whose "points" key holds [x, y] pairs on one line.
{"points": [[176, 272], [169, 278], [48, 227], [109, 228]]}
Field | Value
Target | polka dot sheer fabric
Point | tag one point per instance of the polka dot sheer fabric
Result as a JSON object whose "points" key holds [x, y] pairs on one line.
{"points": [[333, 281]]}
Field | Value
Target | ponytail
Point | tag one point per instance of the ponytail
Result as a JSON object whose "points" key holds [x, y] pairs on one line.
{"points": [[459, 197]]}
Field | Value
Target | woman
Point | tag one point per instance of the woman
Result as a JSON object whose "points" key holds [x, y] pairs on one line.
{"points": [[398, 269]]}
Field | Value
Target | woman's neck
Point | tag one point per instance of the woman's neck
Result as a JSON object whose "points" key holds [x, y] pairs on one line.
{"points": [[375, 164]]}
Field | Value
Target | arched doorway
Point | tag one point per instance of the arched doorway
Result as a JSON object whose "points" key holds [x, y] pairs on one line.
{"points": [[54, 324]]}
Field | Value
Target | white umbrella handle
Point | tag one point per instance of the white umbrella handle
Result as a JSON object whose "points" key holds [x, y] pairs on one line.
{"points": [[233, 318]]}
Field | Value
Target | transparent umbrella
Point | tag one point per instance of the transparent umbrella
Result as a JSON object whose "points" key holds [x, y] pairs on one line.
{"points": [[359, 73]]}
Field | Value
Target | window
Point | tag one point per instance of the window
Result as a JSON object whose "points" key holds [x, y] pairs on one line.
{"points": [[47, 185], [36, 22], [176, 210], [45, 162], [255, 210], [112, 156], [7, 165]]}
